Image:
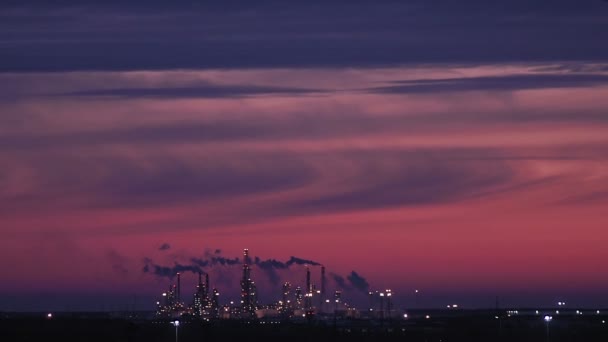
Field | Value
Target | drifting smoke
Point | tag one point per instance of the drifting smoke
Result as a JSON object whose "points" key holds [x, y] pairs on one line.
{"points": [[269, 264], [358, 282], [270, 268], [340, 281], [352, 282], [214, 258], [278, 265], [215, 261], [169, 272], [298, 261], [165, 246]]}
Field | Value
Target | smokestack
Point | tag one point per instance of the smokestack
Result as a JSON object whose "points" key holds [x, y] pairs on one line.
{"points": [[308, 287], [206, 283], [322, 296], [322, 281], [308, 294], [247, 286], [179, 287]]}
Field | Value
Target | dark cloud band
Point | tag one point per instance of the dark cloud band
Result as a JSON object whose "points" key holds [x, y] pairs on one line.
{"points": [[158, 36]]}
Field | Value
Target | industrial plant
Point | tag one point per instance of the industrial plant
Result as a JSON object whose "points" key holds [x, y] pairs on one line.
{"points": [[296, 303]]}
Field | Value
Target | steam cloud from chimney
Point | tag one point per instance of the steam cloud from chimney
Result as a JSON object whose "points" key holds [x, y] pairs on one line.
{"points": [[209, 259], [353, 281]]}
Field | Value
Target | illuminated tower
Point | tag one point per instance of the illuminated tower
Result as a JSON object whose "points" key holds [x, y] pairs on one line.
{"points": [[197, 298], [337, 299], [253, 295], [248, 291], [204, 287], [308, 295], [299, 298], [200, 297], [167, 296], [286, 289], [215, 304], [171, 295], [179, 287]]}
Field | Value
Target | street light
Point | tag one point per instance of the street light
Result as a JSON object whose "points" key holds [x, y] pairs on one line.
{"points": [[176, 323], [382, 305], [547, 320], [389, 294], [499, 324]]}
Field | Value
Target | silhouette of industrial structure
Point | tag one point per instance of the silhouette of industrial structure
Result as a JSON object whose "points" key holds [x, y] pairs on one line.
{"points": [[294, 304]]}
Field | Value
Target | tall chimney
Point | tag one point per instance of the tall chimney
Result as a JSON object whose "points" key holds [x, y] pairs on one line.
{"points": [[322, 281], [179, 287], [308, 294], [206, 283], [308, 287], [322, 296]]}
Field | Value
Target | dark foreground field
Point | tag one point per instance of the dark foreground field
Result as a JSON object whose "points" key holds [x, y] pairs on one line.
{"points": [[469, 328]]}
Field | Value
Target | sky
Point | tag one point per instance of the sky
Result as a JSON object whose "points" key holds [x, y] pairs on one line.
{"points": [[457, 148]]}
